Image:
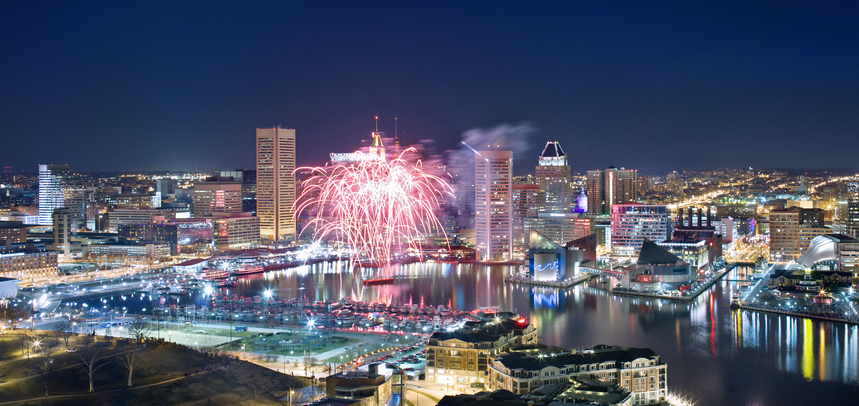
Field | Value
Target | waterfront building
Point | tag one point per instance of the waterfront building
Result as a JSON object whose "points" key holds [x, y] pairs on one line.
{"points": [[27, 262], [791, 231], [217, 195], [637, 370], [573, 392], [248, 179], [687, 239], [560, 227], [460, 358], [13, 231], [609, 187], [235, 231], [553, 174], [832, 253], [493, 174], [657, 269], [549, 261], [853, 218], [275, 157], [632, 223]]}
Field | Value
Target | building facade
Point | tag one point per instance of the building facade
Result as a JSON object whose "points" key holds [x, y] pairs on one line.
{"points": [[248, 179], [631, 223], [560, 227], [609, 187], [275, 153], [528, 200], [236, 231], [638, 370], [217, 196], [493, 186], [59, 187], [791, 232], [27, 262], [553, 174]]}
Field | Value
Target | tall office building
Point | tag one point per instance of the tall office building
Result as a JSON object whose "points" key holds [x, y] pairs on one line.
{"points": [[61, 219], [217, 196], [164, 189], [631, 223], [493, 181], [553, 173], [609, 187], [276, 183], [58, 188]]}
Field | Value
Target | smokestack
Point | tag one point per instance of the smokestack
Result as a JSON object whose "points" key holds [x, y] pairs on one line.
{"points": [[700, 213], [680, 217], [691, 224], [708, 216]]}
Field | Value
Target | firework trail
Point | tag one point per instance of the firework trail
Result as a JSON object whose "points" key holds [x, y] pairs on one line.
{"points": [[372, 206]]}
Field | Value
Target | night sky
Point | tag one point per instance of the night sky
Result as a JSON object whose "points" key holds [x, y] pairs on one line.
{"points": [[657, 86]]}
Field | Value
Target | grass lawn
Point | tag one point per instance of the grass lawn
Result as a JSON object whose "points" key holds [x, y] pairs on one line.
{"points": [[238, 384]]}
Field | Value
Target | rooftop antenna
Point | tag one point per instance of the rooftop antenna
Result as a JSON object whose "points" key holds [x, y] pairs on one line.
{"points": [[377, 123]]}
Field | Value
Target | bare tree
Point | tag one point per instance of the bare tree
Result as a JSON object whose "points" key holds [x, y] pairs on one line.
{"points": [[131, 354], [43, 364], [93, 358], [26, 339], [63, 328], [138, 329]]}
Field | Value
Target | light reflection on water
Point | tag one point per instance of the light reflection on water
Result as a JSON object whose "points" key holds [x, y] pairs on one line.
{"points": [[715, 354]]}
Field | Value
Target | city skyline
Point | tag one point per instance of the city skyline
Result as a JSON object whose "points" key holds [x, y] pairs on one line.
{"points": [[188, 85]]}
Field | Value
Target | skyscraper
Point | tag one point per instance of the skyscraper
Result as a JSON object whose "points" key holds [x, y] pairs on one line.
{"points": [[58, 188], [553, 173], [493, 178], [275, 183], [611, 186]]}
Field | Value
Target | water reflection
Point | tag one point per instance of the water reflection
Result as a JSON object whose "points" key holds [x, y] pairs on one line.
{"points": [[718, 355]]}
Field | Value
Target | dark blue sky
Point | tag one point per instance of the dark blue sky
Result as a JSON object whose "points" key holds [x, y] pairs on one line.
{"points": [[656, 86]]}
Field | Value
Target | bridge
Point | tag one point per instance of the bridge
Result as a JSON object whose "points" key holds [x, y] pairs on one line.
{"points": [[601, 272]]}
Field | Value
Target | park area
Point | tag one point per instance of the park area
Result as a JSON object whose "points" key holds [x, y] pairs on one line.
{"points": [[46, 368]]}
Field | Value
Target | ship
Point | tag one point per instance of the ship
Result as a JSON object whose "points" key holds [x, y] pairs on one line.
{"points": [[214, 274], [249, 270]]}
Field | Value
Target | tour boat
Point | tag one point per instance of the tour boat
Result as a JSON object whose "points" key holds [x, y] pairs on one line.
{"points": [[214, 274], [249, 270]]}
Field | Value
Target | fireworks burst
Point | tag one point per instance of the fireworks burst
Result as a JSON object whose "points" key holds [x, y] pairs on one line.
{"points": [[372, 206]]}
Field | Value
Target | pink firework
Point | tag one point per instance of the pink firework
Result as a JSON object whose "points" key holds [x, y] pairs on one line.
{"points": [[373, 205]]}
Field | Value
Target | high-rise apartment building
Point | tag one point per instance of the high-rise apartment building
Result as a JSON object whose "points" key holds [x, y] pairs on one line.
{"points": [[62, 231], [493, 184], [609, 187], [791, 231], [58, 188], [276, 183], [631, 223], [216, 196], [553, 173]]}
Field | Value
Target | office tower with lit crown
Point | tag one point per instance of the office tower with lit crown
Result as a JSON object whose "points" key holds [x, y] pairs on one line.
{"points": [[609, 187], [58, 188], [553, 173], [493, 178], [276, 183]]}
